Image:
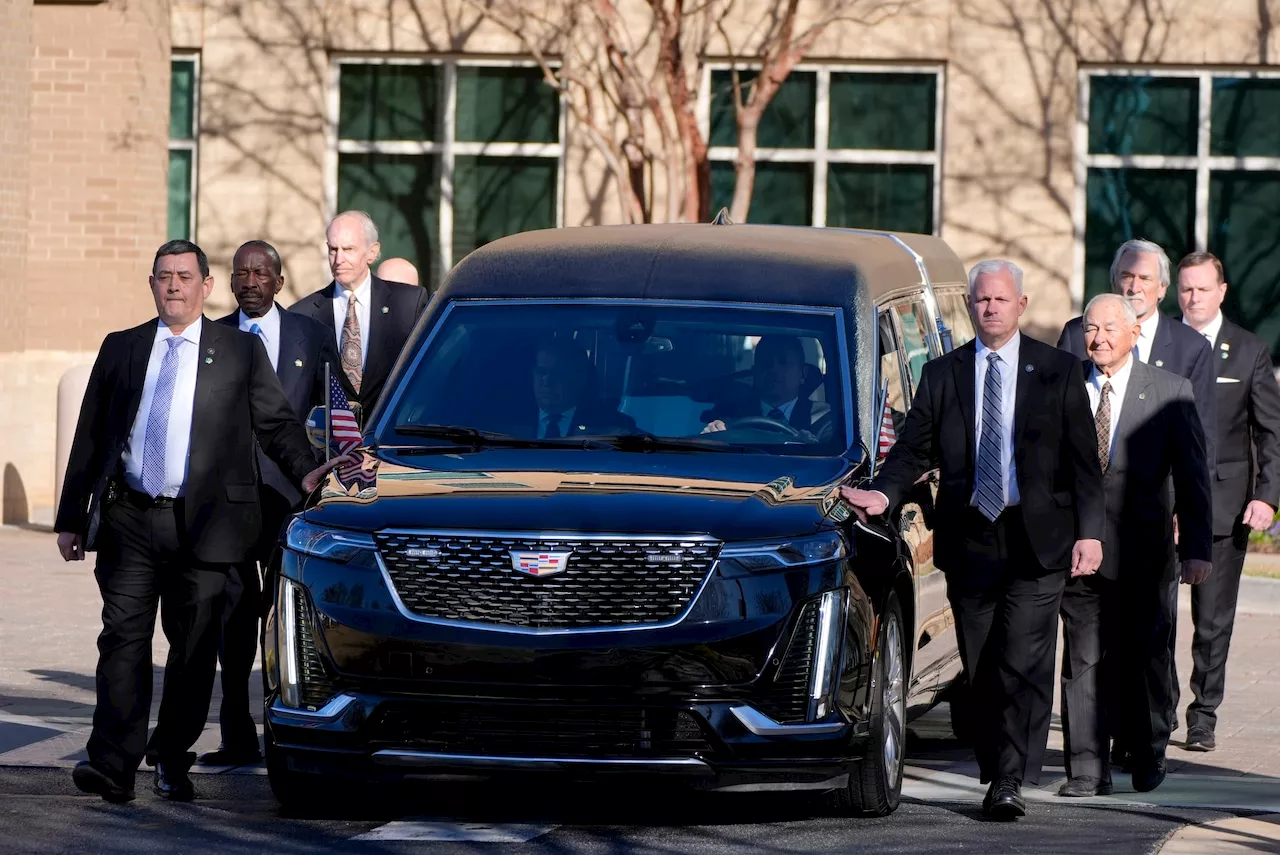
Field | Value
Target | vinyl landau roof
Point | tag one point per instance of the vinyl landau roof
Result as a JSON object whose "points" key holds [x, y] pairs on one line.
{"points": [[712, 262]]}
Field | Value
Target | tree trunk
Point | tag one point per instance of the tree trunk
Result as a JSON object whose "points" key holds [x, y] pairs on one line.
{"points": [[744, 169]]}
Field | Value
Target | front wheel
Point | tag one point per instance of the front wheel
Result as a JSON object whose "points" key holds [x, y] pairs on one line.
{"points": [[875, 783]]}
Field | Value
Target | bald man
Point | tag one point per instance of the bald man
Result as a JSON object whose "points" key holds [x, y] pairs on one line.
{"points": [[369, 317], [398, 270]]}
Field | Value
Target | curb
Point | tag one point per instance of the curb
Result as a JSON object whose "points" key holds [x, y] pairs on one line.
{"points": [[1259, 595], [1240, 835]]}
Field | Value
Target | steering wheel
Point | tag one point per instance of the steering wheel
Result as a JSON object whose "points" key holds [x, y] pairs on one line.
{"points": [[763, 423]]}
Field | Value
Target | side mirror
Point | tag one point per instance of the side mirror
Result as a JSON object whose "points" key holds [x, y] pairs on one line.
{"points": [[317, 429]]}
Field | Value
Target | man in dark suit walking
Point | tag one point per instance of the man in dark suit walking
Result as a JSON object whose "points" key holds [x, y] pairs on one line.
{"points": [[161, 481], [298, 348], [1005, 419], [369, 319], [1245, 496], [1117, 624]]}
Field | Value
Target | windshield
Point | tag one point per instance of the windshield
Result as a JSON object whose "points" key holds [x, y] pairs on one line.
{"points": [[632, 375]]}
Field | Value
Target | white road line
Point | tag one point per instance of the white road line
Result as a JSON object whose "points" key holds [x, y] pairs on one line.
{"points": [[469, 832]]}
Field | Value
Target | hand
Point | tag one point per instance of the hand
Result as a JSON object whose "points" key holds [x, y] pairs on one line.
{"points": [[1175, 531], [865, 503], [1086, 558], [1195, 571], [71, 546], [715, 427], [1259, 515], [315, 476]]}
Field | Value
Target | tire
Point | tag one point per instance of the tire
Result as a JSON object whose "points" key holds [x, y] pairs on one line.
{"points": [[875, 781]]}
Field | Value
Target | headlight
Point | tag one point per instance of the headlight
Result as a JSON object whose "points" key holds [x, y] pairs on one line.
{"points": [[343, 547], [765, 556], [287, 642]]}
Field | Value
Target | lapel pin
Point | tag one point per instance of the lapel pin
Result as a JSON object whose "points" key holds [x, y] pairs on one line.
{"points": [[1159, 363], [1226, 346], [1224, 356], [208, 360], [385, 310], [582, 427], [209, 351], [297, 362], [1028, 369], [1142, 396]]}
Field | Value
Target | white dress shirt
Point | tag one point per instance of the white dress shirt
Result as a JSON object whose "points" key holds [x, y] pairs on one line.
{"points": [[1147, 337], [787, 409], [363, 294], [1119, 382], [565, 420], [178, 436], [1211, 329], [269, 324], [1008, 388]]}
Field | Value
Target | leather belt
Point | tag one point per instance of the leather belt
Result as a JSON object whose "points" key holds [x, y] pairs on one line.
{"points": [[141, 500]]}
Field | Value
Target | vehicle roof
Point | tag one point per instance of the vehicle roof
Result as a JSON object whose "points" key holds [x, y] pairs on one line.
{"points": [[733, 263]]}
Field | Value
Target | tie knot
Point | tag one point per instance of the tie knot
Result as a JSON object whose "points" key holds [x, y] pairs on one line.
{"points": [[1106, 388], [174, 341], [255, 329], [993, 358]]}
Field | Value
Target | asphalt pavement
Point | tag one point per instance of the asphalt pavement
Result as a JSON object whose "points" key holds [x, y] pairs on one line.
{"points": [[1224, 801]]}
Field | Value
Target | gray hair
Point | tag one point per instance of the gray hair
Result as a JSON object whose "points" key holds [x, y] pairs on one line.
{"points": [[370, 229], [1130, 316], [995, 265], [1137, 245]]}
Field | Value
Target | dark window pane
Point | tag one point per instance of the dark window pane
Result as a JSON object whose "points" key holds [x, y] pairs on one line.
{"points": [[787, 121], [179, 194], [401, 193], [1156, 204], [1244, 208], [883, 111], [1246, 118], [497, 196], [387, 102], [182, 99], [782, 195], [892, 197], [1143, 115], [506, 105]]}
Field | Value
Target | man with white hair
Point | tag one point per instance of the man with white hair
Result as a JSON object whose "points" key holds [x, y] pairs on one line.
{"points": [[1005, 420], [370, 318], [1117, 623]]}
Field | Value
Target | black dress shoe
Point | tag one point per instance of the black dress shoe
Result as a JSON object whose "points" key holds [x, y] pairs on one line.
{"points": [[231, 756], [89, 778], [173, 784], [1004, 799], [1201, 739], [1147, 778], [1083, 786]]}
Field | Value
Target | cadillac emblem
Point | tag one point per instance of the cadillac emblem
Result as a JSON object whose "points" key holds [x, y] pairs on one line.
{"points": [[539, 563]]}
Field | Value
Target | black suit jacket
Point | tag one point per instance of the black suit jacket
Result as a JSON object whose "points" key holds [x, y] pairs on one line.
{"points": [[238, 400], [1248, 400], [589, 418], [1055, 452], [394, 311], [1177, 349], [1158, 439], [305, 347]]}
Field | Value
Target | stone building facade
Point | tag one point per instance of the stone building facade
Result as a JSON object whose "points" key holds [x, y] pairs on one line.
{"points": [[1040, 130]]}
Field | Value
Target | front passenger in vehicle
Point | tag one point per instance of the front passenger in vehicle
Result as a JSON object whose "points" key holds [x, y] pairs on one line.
{"points": [[561, 376], [777, 378]]}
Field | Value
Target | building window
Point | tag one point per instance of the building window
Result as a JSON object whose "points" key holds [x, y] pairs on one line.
{"points": [[839, 146], [184, 118], [1190, 160], [447, 155]]}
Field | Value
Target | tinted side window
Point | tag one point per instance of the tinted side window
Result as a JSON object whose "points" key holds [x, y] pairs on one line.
{"points": [[913, 321], [894, 412], [953, 305]]}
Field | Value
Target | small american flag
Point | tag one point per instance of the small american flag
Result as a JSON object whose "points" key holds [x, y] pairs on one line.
{"points": [[887, 435], [344, 436]]}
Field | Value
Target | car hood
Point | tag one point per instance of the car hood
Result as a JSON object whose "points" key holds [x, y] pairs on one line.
{"points": [[725, 496]]}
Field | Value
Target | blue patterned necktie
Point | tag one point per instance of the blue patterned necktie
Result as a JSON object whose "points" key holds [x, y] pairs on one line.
{"points": [[257, 330], [991, 475], [153, 447]]}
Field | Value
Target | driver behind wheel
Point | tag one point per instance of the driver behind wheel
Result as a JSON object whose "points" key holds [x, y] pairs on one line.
{"points": [[776, 380]]}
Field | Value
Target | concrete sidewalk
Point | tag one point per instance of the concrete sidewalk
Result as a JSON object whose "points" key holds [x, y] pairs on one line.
{"points": [[49, 621]]}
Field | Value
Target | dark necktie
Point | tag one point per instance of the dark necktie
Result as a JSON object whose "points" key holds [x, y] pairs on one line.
{"points": [[777, 415], [553, 426], [1102, 421], [991, 475]]}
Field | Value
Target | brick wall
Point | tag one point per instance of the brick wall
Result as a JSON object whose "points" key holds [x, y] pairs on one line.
{"points": [[99, 142], [15, 125]]}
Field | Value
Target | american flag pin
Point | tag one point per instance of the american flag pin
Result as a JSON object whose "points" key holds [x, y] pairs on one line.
{"points": [[297, 362]]}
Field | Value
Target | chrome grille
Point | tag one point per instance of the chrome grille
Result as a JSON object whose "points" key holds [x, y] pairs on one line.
{"points": [[607, 583]]}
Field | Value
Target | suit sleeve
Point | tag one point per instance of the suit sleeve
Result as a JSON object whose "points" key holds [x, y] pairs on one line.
{"points": [[1204, 380], [1264, 425], [913, 453], [275, 424], [420, 305], [1063, 343], [1192, 501], [1080, 448], [85, 463]]}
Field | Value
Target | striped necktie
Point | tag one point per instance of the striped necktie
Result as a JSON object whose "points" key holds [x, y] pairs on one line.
{"points": [[991, 476], [155, 443]]}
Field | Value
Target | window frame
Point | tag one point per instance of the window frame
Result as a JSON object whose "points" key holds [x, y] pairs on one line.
{"points": [[821, 156], [192, 145], [446, 147], [1202, 163]]}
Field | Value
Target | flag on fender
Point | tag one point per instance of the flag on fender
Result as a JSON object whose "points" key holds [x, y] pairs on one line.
{"points": [[345, 436]]}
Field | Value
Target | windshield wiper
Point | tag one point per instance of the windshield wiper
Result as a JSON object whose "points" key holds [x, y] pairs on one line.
{"points": [[650, 442], [471, 437]]}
